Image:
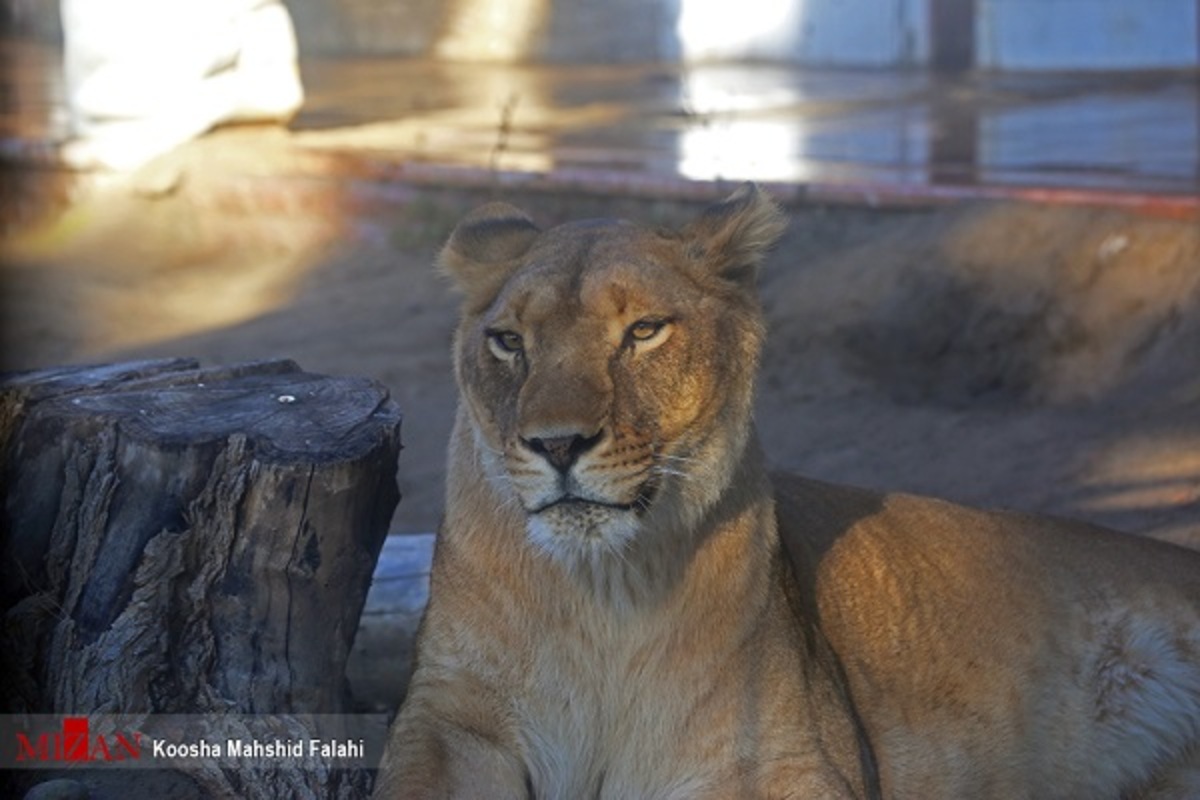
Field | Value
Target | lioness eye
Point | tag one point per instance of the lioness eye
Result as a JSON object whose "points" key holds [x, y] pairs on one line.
{"points": [[645, 329], [506, 341]]}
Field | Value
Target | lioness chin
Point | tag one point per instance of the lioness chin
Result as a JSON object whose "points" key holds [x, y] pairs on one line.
{"points": [[625, 604]]}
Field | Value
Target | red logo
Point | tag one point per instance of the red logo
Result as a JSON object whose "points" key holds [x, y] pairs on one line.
{"points": [[75, 743]]}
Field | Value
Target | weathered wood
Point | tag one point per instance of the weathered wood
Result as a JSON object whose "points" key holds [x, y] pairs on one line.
{"points": [[177, 540]]}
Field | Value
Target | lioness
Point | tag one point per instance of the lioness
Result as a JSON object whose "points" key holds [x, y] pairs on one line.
{"points": [[625, 604]]}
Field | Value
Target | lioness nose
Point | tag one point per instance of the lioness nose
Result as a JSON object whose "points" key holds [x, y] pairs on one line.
{"points": [[562, 451]]}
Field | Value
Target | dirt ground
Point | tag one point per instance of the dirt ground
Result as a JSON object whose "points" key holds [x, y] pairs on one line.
{"points": [[1035, 357]]}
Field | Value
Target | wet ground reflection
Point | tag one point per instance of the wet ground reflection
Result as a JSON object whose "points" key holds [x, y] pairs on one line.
{"points": [[1137, 133]]}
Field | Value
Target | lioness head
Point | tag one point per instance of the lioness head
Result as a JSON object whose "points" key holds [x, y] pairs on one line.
{"points": [[607, 369]]}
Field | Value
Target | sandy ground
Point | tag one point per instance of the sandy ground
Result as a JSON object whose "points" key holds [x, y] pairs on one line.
{"points": [[1043, 358]]}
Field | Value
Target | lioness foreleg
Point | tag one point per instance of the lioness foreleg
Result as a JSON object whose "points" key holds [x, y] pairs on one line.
{"points": [[429, 758]]}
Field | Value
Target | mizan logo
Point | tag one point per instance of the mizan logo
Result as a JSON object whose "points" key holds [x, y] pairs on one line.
{"points": [[40, 741], [76, 743]]}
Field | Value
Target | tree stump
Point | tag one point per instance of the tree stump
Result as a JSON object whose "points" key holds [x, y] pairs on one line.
{"points": [[177, 540]]}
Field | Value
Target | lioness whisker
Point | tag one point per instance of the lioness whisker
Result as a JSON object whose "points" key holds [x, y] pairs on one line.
{"points": [[668, 457], [658, 469]]}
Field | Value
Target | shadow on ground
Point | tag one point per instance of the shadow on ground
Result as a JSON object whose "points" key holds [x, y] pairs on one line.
{"points": [[1044, 358]]}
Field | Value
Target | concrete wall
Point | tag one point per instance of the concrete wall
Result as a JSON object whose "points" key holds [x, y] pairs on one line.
{"points": [[501, 30], [1003, 34], [865, 33], [1007, 34], [365, 26], [1086, 34]]}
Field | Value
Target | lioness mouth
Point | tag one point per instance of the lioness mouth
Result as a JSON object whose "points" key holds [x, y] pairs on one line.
{"points": [[571, 500], [638, 506]]}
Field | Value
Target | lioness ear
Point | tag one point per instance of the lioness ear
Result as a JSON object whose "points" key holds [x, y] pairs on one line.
{"points": [[485, 247], [732, 237]]}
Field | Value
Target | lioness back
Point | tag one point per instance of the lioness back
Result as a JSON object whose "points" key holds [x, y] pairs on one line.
{"points": [[625, 604], [996, 654]]}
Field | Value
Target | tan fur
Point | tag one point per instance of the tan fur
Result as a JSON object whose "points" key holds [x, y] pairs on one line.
{"points": [[658, 617]]}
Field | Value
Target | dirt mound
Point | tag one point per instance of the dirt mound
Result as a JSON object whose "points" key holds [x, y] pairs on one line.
{"points": [[1002, 302]]}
